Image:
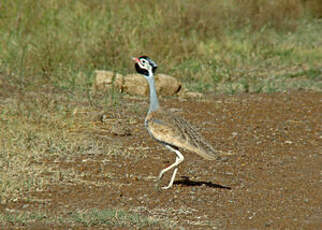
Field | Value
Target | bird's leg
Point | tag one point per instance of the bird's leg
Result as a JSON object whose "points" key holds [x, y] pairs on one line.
{"points": [[179, 160], [172, 179], [167, 169], [161, 175]]}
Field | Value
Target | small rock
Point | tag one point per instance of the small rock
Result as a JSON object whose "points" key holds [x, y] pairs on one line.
{"points": [[188, 94], [135, 84], [268, 224], [224, 159], [108, 79], [120, 131], [194, 95], [166, 85]]}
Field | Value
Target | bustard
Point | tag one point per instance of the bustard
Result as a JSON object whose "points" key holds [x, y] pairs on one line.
{"points": [[171, 131]]}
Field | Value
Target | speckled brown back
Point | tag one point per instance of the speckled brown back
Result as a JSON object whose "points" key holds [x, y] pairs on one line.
{"points": [[173, 130]]}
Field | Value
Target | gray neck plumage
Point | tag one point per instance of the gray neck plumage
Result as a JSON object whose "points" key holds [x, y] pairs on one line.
{"points": [[154, 103]]}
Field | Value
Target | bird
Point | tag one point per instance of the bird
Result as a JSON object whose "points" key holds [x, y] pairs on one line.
{"points": [[174, 132]]}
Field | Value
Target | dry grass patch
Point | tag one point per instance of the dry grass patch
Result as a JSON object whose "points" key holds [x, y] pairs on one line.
{"points": [[37, 128]]}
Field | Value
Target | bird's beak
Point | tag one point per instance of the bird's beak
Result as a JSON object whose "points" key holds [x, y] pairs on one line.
{"points": [[135, 59]]}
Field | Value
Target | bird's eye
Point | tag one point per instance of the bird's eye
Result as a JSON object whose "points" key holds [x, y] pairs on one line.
{"points": [[143, 61]]}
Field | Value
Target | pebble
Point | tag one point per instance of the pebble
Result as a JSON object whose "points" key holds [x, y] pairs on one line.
{"points": [[268, 224]]}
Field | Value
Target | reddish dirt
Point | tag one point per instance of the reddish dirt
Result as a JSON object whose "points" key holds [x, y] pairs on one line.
{"points": [[273, 181]]}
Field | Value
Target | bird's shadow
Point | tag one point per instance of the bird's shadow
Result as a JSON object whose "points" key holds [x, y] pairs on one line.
{"points": [[187, 182]]}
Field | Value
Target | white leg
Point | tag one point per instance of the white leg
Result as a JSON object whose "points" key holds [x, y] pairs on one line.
{"points": [[179, 160], [172, 179], [168, 168]]}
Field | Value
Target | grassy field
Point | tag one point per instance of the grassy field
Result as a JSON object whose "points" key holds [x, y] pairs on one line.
{"points": [[257, 46], [49, 51]]}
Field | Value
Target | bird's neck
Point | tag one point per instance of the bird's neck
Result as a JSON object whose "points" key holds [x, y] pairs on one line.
{"points": [[154, 103]]}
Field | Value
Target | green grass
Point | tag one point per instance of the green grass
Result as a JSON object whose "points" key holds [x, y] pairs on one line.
{"points": [[108, 217], [62, 42], [84, 218]]}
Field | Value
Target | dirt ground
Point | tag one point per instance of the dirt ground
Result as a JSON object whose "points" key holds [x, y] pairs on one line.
{"points": [[272, 180]]}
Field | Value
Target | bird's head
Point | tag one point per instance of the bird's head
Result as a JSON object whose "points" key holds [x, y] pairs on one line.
{"points": [[144, 65]]}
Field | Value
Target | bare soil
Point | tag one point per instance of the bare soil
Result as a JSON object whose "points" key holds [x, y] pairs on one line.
{"points": [[271, 181]]}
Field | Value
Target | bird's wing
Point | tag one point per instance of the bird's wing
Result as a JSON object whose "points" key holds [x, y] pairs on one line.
{"points": [[164, 132], [176, 131]]}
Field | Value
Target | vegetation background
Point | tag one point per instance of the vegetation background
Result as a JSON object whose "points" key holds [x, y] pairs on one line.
{"points": [[206, 43], [50, 49]]}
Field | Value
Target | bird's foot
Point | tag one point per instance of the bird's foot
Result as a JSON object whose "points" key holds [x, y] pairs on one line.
{"points": [[160, 188], [166, 187]]}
